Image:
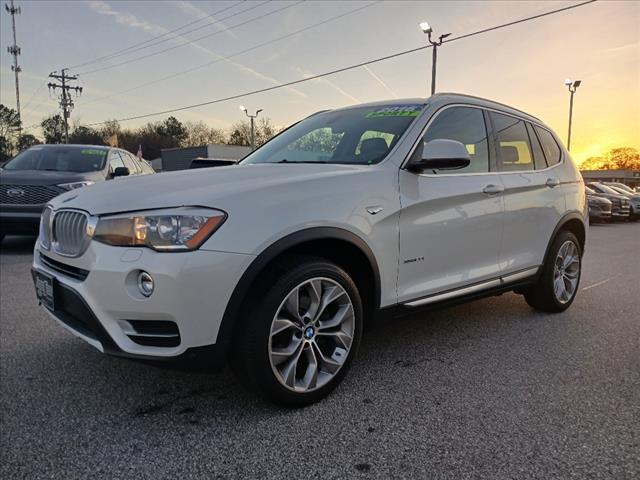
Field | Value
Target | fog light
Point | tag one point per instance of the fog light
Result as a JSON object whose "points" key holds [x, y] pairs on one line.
{"points": [[145, 284]]}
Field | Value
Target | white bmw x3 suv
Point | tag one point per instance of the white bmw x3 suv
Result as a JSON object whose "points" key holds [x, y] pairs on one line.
{"points": [[277, 264]]}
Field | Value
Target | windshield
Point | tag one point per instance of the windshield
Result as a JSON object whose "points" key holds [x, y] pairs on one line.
{"points": [[61, 159], [356, 136], [605, 189], [621, 186]]}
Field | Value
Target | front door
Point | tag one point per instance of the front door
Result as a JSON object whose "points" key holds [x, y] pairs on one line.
{"points": [[451, 221]]}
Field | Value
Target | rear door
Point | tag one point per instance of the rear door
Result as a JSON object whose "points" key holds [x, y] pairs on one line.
{"points": [[451, 221], [533, 197]]}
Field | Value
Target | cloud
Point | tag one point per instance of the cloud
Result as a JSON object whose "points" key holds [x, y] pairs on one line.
{"points": [[103, 8], [379, 80], [123, 18], [332, 85], [191, 9]]}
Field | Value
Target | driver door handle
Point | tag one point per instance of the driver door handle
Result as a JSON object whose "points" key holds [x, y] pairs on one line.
{"points": [[492, 189]]}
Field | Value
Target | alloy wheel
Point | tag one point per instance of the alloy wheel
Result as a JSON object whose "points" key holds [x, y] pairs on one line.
{"points": [[566, 272], [311, 334]]}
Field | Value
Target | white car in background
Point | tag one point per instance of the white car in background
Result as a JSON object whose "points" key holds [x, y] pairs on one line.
{"points": [[277, 264]]}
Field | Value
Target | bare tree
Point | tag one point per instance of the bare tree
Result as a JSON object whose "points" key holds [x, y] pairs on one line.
{"points": [[199, 133]]}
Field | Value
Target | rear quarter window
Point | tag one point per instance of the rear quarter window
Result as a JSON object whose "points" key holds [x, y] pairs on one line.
{"points": [[549, 145]]}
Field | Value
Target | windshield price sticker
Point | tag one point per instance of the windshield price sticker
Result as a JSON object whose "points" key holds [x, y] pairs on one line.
{"points": [[396, 111], [92, 152]]}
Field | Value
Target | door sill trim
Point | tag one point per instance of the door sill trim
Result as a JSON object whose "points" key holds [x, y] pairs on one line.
{"points": [[485, 285]]}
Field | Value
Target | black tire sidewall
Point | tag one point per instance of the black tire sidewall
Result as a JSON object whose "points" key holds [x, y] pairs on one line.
{"points": [[548, 293], [259, 364]]}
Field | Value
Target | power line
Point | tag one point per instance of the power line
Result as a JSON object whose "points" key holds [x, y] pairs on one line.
{"points": [[344, 69], [33, 95], [522, 20], [124, 50], [198, 28], [142, 57], [228, 57]]}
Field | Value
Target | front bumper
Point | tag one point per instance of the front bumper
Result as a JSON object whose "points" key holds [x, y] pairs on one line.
{"points": [[96, 296], [596, 213]]}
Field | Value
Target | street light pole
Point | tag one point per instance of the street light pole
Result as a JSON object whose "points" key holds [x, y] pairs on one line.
{"points": [[253, 131], [426, 28], [572, 86]]}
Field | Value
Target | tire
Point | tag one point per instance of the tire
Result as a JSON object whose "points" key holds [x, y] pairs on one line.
{"points": [[544, 296], [274, 349]]}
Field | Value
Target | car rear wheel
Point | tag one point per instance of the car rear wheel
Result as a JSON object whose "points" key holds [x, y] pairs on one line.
{"points": [[560, 277], [299, 339]]}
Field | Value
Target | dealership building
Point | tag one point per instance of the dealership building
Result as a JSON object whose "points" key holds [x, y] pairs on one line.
{"points": [[181, 158], [628, 177]]}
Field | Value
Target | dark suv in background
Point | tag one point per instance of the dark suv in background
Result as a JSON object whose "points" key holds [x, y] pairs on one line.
{"points": [[599, 207], [621, 207], [33, 177]]}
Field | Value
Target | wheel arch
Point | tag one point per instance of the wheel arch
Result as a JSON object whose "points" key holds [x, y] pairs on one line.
{"points": [[338, 245], [574, 223]]}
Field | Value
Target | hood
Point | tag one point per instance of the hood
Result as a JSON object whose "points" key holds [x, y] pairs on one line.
{"points": [[216, 187], [597, 199], [611, 196], [45, 177]]}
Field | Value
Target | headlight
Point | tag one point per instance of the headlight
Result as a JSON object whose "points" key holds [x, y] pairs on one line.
{"points": [[175, 230], [74, 185]]}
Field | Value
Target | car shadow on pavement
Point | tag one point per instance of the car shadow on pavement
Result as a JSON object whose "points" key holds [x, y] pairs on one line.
{"points": [[129, 390]]}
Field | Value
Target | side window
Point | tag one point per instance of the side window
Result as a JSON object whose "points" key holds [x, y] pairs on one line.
{"points": [[549, 145], [466, 125], [538, 155], [115, 161], [130, 163], [146, 168], [512, 143]]}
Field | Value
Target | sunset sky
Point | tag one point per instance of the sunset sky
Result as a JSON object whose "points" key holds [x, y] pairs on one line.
{"points": [[523, 65]]}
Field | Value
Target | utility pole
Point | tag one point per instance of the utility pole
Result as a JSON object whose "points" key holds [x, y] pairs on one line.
{"points": [[15, 51], [572, 86], [253, 131], [66, 104], [426, 28]]}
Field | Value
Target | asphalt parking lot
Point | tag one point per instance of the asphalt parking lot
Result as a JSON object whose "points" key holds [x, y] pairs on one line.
{"points": [[489, 389]]}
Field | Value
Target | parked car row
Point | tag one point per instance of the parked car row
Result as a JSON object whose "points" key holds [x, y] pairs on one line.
{"points": [[612, 201], [33, 177]]}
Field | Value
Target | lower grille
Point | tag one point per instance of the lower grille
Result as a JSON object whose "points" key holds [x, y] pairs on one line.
{"points": [[152, 333], [64, 269], [28, 194]]}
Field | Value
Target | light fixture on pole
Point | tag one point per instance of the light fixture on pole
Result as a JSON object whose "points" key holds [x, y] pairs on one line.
{"points": [[426, 28], [572, 86], [253, 132]]}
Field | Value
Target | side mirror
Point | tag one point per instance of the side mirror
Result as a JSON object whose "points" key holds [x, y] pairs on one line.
{"points": [[121, 172], [441, 154]]}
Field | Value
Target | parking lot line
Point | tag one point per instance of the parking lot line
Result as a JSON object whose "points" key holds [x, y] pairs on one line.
{"points": [[597, 284]]}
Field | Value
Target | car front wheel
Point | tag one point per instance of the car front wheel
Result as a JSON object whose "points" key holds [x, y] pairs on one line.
{"points": [[301, 335]]}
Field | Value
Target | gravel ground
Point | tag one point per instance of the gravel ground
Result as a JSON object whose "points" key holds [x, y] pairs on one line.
{"points": [[489, 389]]}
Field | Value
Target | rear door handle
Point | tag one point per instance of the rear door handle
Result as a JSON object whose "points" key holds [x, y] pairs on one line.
{"points": [[552, 182], [492, 189]]}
